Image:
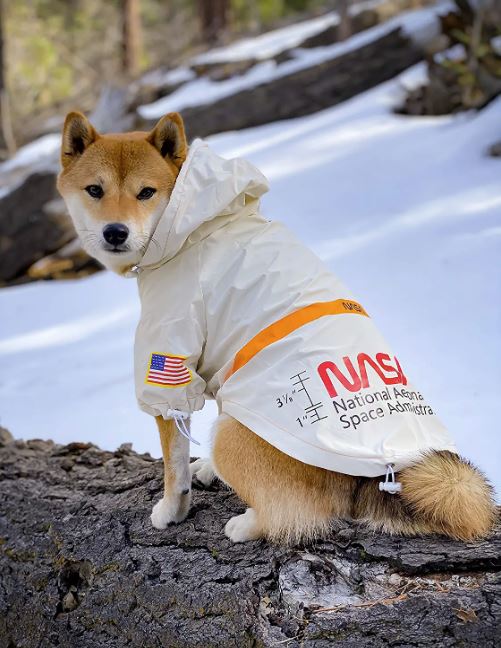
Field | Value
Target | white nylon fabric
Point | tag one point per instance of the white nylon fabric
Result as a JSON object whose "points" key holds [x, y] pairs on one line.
{"points": [[208, 186], [329, 393]]}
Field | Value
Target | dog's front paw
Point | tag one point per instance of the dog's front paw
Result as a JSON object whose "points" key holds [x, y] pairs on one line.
{"points": [[242, 528], [202, 469], [170, 509]]}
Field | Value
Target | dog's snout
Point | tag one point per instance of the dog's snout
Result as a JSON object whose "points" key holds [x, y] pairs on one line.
{"points": [[115, 233]]}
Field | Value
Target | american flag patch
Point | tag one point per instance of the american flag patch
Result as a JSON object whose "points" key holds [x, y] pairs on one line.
{"points": [[168, 371]]}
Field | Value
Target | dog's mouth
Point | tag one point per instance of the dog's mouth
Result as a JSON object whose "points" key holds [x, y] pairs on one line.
{"points": [[116, 249]]}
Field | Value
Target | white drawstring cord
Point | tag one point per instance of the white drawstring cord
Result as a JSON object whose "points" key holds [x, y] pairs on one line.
{"points": [[179, 419], [390, 485]]}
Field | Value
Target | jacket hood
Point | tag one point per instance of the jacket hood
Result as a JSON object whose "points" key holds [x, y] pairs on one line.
{"points": [[208, 186]]}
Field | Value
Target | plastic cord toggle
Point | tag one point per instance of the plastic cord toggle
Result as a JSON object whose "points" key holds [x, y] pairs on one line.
{"points": [[390, 485], [179, 419], [133, 272]]}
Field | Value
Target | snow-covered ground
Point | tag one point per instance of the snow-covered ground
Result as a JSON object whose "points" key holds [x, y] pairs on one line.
{"points": [[405, 210], [420, 24], [39, 149], [276, 41]]}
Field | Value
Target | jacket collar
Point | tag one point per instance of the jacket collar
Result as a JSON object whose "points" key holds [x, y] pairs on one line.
{"points": [[209, 192]]}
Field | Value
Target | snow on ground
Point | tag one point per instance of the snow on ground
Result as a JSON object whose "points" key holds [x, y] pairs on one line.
{"points": [[36, 151], [270, 43], [279, 40], [419, 24], [404, 210], [42, 153]]}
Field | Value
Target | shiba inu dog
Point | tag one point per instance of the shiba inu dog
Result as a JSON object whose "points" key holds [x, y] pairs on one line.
{"points": [[314, 407]]}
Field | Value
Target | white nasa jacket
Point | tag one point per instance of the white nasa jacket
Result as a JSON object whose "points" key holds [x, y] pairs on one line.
{"points": [[236, 309]]}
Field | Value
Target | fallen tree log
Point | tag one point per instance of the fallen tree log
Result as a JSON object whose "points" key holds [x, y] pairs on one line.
{"points": [[81, 567], [26, 232], [308, 90]]}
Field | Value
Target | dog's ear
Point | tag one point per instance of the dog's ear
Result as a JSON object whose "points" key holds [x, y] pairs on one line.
{"points": [[169, 138], [78, 134]]}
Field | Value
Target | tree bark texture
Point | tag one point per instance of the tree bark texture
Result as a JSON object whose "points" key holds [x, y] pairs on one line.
{"points": [[82, 567]]}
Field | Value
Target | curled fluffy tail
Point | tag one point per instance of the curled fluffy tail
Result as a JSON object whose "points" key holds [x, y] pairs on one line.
{"points": [[442, 493], [450, 494]]}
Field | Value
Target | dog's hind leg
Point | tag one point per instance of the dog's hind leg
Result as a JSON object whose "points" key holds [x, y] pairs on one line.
{"points": [[245, 527], [175, 504], [290, 500], [203, 471]]}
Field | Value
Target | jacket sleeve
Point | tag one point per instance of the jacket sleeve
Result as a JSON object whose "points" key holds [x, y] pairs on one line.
{"points": [[169, 342]]}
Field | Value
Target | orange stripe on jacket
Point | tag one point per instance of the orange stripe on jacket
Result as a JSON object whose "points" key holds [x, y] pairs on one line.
{"points": [[286, 325]]}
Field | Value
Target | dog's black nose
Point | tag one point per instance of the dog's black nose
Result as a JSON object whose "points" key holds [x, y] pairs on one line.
{"points": [[115, 233]]}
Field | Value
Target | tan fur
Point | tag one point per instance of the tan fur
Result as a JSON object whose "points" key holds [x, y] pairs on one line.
{"points": [[168, 434], [130, 160], [175, 503], [122, 164], [442, 493], [294, 501], [450, 494]]}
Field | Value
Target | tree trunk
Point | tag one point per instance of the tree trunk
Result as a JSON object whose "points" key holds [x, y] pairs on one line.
{"points": [[82, 567], [7, 138], [345, 30], [213, 16], [131, 37]]}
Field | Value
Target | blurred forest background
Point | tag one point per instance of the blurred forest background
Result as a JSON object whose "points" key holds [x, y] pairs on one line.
{"points": [[59, 52]]}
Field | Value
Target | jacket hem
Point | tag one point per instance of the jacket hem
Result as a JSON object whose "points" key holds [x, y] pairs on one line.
{"points": [[162, 409], [319, 457]]}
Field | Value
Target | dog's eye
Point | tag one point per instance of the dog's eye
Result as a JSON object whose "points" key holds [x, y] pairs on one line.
{"points": [[146, 193], [95, 191]]}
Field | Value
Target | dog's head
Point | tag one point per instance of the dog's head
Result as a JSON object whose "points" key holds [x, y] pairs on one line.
{"points": [[116, 187]]}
